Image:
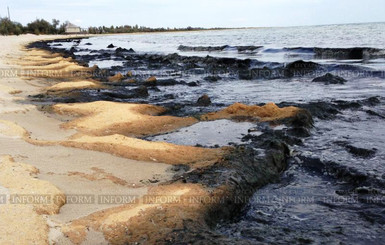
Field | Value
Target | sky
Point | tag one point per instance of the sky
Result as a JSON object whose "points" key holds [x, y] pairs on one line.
{"points": [[197, 13]]}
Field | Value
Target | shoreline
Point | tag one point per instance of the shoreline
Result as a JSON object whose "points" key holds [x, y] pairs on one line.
{"points": [[198, 178]]}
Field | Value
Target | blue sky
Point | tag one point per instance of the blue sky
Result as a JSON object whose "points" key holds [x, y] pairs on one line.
{"points": [[202, 13]]}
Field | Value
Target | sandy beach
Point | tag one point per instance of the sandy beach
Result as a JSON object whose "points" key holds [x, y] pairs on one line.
{"points": [[68, 171], [57, 162]]}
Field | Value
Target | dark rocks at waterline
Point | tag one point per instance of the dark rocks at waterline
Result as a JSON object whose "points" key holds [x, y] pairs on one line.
{"points": [[329, 78], [141, 91], [348, 53], [353, 176], [300, 68], [361, 152], [328, 110], [201, 49], [212, 78], [295, 69], [168, 82], [320, 109], [175, 61], [121, 94], [357, 151], [240, 49], [193, 84], [111, 46], [374, 113], [261, 73], [303, 119], [204, 100], [124, 50]]}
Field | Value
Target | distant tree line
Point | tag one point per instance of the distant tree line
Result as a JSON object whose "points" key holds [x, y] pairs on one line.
{"points": [[39, 26], [135, 28]]}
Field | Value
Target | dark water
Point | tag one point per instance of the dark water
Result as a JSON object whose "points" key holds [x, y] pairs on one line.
{"points": [[333, 189]]}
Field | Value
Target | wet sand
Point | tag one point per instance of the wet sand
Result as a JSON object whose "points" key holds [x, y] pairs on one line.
{"points": [[77, 150]]}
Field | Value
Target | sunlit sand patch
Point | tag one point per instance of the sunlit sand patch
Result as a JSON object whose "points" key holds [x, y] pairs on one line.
{"points": [[61, 65], [65, 86], [137, 149], [105, 118], [11, 129], [268, 112], [29, 199]]}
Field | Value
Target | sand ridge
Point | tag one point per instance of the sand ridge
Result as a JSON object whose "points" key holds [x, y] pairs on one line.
{"points": [[106, 118], [65, 86], [160, 211], [145, 150]]}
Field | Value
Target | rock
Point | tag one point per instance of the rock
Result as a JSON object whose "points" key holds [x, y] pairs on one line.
{"points": [[95, 68], [131, 81], [301, 68], [119, 50], [329, 78], [201, 48], [261, 73], [151, 80], [248, 48], [204, 100], [129, 74], [141, 91], [212, 78], [167, 82], [357, 151], [116, 78], [357, 53], [361, 152], [192, 84], [123, 50], [111, 46], [88, 44], [373, 113]]}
